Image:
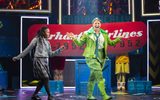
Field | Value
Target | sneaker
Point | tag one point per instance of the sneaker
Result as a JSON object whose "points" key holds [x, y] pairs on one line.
{"points": [[91, 98], [108, 98], [36, 97]]}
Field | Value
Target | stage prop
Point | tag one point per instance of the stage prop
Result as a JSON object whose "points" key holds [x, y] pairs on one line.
{"points": [[55, 87], [82, 75], [26, 66], [34, 6], [150, 8], [134, 36], [153, 52], [135, 87], [3, 80]]}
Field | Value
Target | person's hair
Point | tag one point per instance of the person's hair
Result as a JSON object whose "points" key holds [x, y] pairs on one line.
{"points": [[96, 19], [41, 31]]}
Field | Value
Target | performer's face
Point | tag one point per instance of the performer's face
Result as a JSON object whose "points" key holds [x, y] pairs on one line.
{"points": [[47, 33], [96, 24]]}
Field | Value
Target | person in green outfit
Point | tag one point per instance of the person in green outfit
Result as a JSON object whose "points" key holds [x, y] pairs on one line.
{"points": [[96, 40]]}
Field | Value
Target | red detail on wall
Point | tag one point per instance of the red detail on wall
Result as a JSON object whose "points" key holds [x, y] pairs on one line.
{"points": [[134, 33]]}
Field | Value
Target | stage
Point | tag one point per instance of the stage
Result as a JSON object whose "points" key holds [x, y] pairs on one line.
{"points": [[128, 42], [69, 94]]}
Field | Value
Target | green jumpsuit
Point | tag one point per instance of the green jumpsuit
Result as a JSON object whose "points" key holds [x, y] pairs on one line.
{"points": [[95, 63]]}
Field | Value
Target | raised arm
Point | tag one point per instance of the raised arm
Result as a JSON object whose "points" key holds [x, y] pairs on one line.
{"points": [[56, 52], [78, 42], [113, 42], [26, 50]]}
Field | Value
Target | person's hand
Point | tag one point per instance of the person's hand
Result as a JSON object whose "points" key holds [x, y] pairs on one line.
{"points": [[120, 37], [62, 48], [70, 35], [14, 59]]}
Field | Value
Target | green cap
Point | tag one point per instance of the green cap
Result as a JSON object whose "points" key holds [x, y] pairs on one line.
{"points": [[96, 19]]}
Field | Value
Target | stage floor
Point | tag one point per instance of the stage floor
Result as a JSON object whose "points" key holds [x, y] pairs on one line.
{"points": [[69, 94]]}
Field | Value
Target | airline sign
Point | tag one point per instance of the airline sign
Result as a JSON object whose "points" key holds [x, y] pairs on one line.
{"points": [[134, 36]]}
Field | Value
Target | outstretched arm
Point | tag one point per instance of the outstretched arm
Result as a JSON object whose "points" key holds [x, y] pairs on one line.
{"points": [[113, 42], [26, 50], [78, 42], [56, 52], [70, 35]]}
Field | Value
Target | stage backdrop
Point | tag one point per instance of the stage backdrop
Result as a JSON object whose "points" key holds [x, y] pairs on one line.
{"points": [[134, 34], [154, 52]]}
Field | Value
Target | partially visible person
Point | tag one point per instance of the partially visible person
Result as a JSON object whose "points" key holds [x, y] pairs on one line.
{"points": [[122, 68], [40, 61], [10, 4], [57, 66], [96, 40]]}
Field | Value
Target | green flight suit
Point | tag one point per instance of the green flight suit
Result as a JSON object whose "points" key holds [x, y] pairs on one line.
{"points": [[95, 63]]}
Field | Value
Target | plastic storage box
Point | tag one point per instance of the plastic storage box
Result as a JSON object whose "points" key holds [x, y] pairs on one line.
{"points": [[55, 87], [139, 87]]}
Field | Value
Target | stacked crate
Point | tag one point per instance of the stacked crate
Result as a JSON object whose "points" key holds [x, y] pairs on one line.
{"points": [[139, 87], [55, 87]]}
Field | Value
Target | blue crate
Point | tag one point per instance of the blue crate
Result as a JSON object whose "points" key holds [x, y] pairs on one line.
{"points": [[59, 87], [139, 87], [83, 88], [3, 80], [148, 87], [131, 87], [82, 73], [55, 87]]}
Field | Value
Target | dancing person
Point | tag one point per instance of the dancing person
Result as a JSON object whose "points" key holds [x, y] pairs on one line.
{"points": [[96, 40], [40, 60]]}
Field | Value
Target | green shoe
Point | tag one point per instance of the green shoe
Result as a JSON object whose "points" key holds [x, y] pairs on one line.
{"points": [[107, 98], [91, 98], [90, 91]]}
